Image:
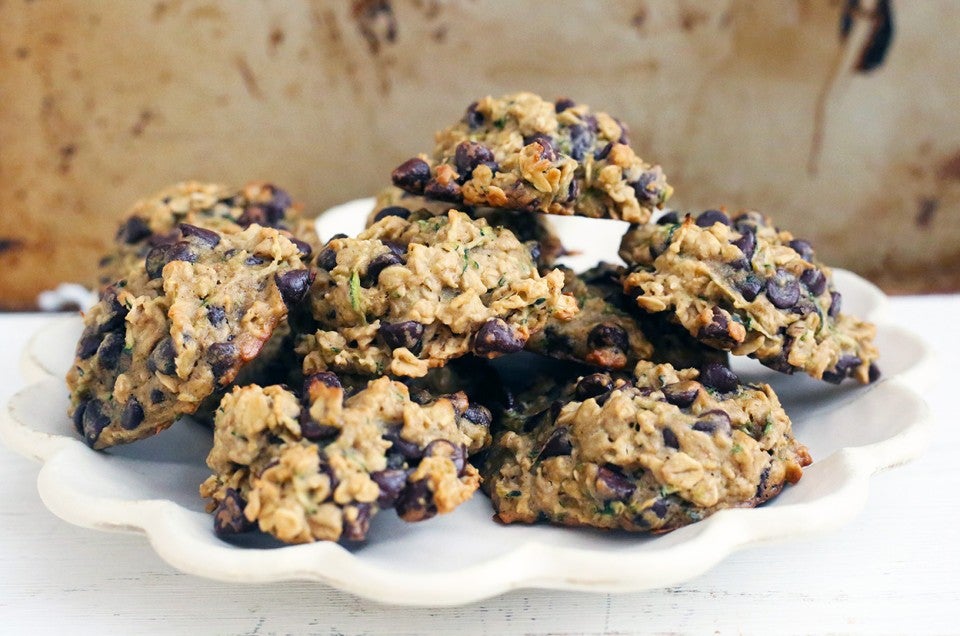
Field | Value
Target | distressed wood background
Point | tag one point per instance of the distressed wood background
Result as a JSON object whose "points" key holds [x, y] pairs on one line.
{"points": [[837, 117]]}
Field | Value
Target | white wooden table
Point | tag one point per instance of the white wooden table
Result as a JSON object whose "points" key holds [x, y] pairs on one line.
{"points": [[895, 570]]}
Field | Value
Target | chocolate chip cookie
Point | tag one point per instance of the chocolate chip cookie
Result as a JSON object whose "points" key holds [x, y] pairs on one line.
{"points": [[652, 453], [320, 468], [533, 229], [411, 293], [743, 286], [178, 328], [153, 221], [520, 152]]}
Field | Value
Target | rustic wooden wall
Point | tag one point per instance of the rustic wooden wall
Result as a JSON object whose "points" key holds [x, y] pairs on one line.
{"points": [[853, 142]]}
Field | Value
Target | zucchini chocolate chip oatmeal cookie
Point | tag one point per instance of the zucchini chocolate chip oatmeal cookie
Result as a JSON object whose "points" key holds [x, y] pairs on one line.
{"points": [[652, 454], [153, 221], [743, 286], [532, 229], [320, 469], [180, 327], [523, 153], [412, 293]]}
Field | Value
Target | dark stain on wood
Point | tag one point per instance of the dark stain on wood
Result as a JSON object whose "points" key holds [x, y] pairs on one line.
{"points": [[375, 22], [926, 210], [877, 44], [249, 79], [10, 244], [949, 170], [67, 153], [146, 116], [275, 39]]}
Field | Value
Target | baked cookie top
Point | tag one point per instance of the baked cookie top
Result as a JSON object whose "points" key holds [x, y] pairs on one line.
{"points": [[411, 293], [651, 453], [532, 229], [320, 468], [523, 153], [741, 285], [153, 221], [179, 327]]}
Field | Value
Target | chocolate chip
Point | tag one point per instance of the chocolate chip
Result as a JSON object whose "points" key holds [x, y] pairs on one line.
{"points": [[89, 343], [473, 118], [222, 357], [608, 336], [603, 152], [314, 431], [115, 312], [642, 188], [563, 104], [391, 482], [449, 192], [108, 354], [78, 417], [670, 438], [749, 286], [660, 508], [546, 142], [393, 210], [593, 385], [845, 366], [326, 378], [836, 300], [409, 450], [670, 218], [718, 329], [294, 285], [478, 414], [719, 377], [469, 155], [712, 421], [711, 217], [327, 259], [157, 396], [496, 336], [377, 265], [161, 359], [228, 517], [411, 175], [356, 526], [132, 414], [557, 445], [747, 244], [216, 315], [681, 394], [133, 230], [444, 448], [165, 253], [803, 248], [253, 260], [416, 502], [94, 421], [783, 290], [815, 281], [199, 236], [303, 248], [581, 140], [613, 484], [408, 333], [873, 373]]}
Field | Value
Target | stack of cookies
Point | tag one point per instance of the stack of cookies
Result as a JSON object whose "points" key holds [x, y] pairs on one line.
{"points": [[441, 349]]}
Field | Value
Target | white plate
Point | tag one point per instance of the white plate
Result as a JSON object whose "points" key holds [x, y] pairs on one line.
{"points": [[151, 487]]}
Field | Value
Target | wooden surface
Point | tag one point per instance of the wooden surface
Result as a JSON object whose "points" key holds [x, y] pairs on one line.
{"points": [[743, 103], [895, 570]]}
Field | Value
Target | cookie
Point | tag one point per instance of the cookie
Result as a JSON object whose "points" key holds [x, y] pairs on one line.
{"points": [[520, 152], [412, 293], [320, 469], [650, 454], [179, 328], [154, 220], [744, 286], [533, 229]]}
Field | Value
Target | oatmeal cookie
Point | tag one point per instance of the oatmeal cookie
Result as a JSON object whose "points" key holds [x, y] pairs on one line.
{"points": [[179, 328], [412, 293], [650, 454], [522, 153], [321, 468], [532, 229], [744, 286], [153, 221]]}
